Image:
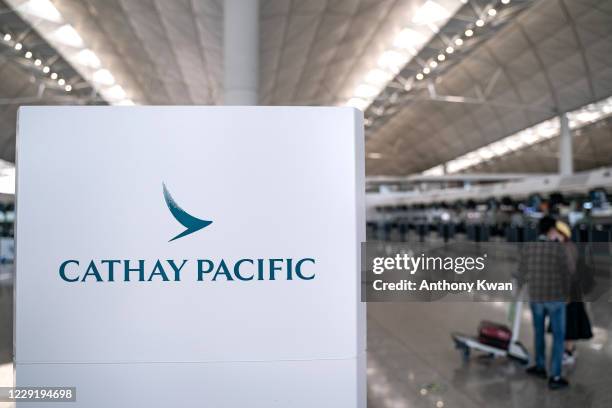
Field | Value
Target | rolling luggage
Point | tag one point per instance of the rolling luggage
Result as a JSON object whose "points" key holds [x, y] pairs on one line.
{"points": [[494, 334]]}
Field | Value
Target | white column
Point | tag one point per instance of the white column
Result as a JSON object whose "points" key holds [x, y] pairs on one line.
{"points": [[566, 155], [241, 51]]}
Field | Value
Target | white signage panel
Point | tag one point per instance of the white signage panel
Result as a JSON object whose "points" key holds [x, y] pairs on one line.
{"points": [[191, 242]]}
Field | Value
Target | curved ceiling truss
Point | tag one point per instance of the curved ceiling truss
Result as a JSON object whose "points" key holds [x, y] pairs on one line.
{"points": [[530, 62]]}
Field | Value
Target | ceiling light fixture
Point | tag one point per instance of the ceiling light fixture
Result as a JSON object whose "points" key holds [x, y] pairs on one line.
{"points": [[115, 93], [365, 91], [358, 103], [540, 132], [429, 13], [18, 46], [28, 54], [409, 39], [458, 42], [68, 42], [378, 76], [450, 50], [469, 33], [479, 23], [88, 58], [441, 57], [41, 9], [67, 35], [7, 37], [392, 60], [104, 77], [406, 42]]}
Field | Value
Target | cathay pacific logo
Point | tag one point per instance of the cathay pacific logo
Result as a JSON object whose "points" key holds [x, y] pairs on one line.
{"points": [[199, 269], [191, 223]]}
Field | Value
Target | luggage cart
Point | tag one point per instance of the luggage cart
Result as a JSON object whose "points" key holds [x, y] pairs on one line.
{"points": [[515, 350]]}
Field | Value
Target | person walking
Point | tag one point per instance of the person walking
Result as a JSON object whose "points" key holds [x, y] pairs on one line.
{"points": [[545, 267]]}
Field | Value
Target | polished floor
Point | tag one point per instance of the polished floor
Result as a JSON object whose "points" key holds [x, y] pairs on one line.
{"points": [[412, 361]]}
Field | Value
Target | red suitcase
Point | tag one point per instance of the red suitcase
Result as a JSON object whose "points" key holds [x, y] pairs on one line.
{"points": [[494, 334]]}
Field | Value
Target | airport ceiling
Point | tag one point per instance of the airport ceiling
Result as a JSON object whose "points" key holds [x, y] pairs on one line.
{"points": [[554, 56], [542, 56], [592, 146]]}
